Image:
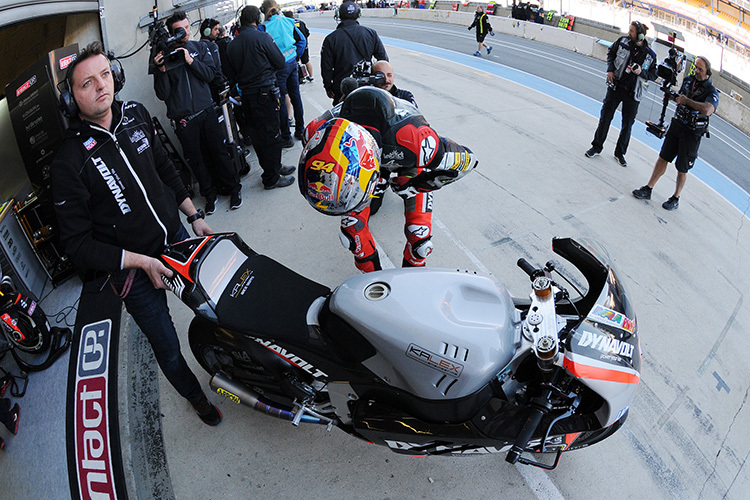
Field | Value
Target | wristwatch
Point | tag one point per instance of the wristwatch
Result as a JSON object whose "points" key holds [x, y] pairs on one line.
{"points": [[197, 215]]}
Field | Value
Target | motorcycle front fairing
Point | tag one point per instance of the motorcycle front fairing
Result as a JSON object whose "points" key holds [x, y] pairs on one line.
{"points": [[603, 351]]}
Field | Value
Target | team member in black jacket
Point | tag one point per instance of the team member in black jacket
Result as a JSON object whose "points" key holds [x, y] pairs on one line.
{"points": [[185, 87], [115, 194], [252, 61], [342, 49]]}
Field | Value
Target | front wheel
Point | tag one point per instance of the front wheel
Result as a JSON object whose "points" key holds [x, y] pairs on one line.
{"points": [[587, 438]]}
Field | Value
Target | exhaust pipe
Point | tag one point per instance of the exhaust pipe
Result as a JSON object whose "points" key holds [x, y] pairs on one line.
{"points": [[240, 394]]}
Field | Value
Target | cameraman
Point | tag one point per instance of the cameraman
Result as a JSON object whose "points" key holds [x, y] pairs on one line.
{"points": [[183, 82], [386, 69], [697, 100], [630, 62], [349, 44]]}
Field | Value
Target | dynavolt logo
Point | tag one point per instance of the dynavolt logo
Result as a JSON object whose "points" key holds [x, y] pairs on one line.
{"points": [[113, 184]]}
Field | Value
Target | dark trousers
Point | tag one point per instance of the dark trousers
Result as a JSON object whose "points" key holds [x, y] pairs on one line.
{"points": [[287, 80], [148, 307], [6, 417], [609, 106], [205, 129], [261, 110]]}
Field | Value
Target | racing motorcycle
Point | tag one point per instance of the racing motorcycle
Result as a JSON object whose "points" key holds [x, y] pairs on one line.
{"points": [[425, 361]]}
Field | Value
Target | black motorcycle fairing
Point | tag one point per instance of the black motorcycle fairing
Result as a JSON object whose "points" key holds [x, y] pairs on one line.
{"points": [[448, 411]]}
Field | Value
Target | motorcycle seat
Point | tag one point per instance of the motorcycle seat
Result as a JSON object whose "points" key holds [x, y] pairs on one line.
{"points": [[267, 299]]}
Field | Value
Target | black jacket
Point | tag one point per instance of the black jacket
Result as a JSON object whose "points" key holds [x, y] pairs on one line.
{"points": [[482, 22], [253, 59], [342, 49], [403, 94], [115, 190], [185, 88], [219, 82]]}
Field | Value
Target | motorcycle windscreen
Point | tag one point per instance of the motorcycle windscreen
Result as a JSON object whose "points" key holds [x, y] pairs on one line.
{"points": [[219, 268], [604, 350]]}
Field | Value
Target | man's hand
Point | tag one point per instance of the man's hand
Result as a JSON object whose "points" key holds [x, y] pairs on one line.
{"points": [[201, 228], [610, 76], [159, 61], [188, 59], [154, 268], [330, 94]]}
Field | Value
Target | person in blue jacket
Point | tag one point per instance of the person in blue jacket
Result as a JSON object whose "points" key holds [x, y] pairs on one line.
{"points": [[283, 30]]}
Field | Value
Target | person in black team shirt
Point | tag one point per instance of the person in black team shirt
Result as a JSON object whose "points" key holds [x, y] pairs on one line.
{"points": [[697, 100], [184, 86], [630, 63], [116, 195], [253, 59], [349, 44]]}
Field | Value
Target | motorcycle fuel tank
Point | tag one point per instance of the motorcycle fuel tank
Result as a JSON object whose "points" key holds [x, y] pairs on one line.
{"points": [[439, 334]]}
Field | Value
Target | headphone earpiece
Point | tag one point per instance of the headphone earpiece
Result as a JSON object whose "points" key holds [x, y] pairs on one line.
{"points": [[640, 29], [67, 103], [117, 71]]}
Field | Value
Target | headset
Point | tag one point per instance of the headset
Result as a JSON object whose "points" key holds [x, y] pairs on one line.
{"points": [[238, 17], [708, 64], [207, 26], [68, 104], [640, 29]]}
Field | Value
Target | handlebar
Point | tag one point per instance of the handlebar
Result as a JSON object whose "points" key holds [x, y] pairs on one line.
{"points": [[526, 267]]}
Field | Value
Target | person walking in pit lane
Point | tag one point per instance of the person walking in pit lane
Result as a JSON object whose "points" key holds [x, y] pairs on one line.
{"points": [[482, 24]]}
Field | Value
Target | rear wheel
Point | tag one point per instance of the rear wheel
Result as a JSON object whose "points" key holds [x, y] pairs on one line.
{"points": [[237, 364]]}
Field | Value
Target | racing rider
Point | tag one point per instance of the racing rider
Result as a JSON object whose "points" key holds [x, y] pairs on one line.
{"points": [[338, 176]]}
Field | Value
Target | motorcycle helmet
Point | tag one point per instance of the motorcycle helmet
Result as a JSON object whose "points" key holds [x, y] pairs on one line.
{"points": [[339, 167]]}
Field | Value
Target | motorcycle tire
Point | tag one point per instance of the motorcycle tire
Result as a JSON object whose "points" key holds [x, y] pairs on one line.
{"points": [[587, 438]]}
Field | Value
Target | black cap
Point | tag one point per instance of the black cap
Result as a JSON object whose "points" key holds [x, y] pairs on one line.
{"points": [[349, 10]]}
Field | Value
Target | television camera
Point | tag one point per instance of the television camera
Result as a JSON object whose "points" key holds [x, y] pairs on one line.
{"points": [[160, 40], [361, 76], [667, 71]]}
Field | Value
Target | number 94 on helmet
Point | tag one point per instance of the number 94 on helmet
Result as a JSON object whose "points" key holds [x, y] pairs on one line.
{"points": [[339, 168]]}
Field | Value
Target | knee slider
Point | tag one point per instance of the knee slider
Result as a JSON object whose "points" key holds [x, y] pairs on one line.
{"points": [[420, 249], [347, 240]]}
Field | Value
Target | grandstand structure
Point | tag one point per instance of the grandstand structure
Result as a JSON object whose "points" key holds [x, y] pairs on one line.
{"points": [[726, 21]]}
